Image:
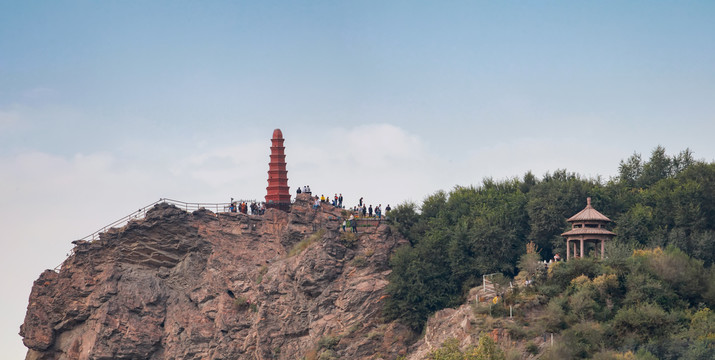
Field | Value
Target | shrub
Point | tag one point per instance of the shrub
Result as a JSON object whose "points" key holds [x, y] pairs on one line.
{"points": [[532, 348], [642, 288], [582, 304], [702, 325], [583, 339], [328, 342], [327, 355], [375, 334], [642, 323], [561, 273], [516, 331], [681, 272], [613, 355], [607, 285], [559, 351], [448, 351], [355, 327], [359, 261], [348, 239], [262, 271], [530, 265], [487, 349], [303, 244], [241, 303], [554, 319]]}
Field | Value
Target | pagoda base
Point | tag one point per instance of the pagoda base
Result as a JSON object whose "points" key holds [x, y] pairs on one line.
{"points": [[280, 206]]}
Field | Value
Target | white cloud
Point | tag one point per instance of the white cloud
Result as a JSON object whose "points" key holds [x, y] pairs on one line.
{"points": [[48, 201], [377, 161], [224, 165]]}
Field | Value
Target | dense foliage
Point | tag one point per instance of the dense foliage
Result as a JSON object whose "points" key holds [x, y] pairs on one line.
{"points": [[457, 237], [486, 349], [654, 304]]}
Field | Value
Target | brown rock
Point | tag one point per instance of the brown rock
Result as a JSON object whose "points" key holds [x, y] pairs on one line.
{"points": [[178, 285]]}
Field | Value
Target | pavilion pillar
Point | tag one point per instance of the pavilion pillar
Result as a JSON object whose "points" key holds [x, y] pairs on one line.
{"points": [[575, 253], [567, 249], [581, 252], [603, 248]]}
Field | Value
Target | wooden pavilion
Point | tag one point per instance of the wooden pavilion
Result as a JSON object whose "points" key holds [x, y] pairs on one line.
{"points": [[587, 226]]}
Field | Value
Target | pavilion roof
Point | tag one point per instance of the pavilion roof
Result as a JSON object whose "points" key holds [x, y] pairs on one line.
{"points": [[588, 231], [588, 214]]}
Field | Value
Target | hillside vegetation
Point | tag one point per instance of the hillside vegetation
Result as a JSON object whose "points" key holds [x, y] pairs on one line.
{"points": [[650, 302]]}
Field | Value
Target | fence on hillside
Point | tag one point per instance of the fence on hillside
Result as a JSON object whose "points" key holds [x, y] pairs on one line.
{"points": [[141, 213]]}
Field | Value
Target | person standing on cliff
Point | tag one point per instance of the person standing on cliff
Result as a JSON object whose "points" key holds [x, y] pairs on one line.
{"points": [[298, 190], [360, 203], [369, 210], [340, 201], [364, 210]]}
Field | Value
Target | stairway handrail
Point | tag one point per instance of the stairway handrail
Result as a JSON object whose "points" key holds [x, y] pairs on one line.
{"points": [[134, 215], [186, 206], [142, 212]]}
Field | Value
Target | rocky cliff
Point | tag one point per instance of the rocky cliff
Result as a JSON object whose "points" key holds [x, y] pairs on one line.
{"points": [[179, 285]]}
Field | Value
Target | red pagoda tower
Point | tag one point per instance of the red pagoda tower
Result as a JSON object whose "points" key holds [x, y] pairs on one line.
{"points": [[278, 194]]}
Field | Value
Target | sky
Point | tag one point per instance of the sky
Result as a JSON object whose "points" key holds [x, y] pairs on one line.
{"points": [[108, 106]]}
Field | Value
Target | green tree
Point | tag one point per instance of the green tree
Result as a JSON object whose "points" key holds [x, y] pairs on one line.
{"points": [[658, 167], [630, 170]]}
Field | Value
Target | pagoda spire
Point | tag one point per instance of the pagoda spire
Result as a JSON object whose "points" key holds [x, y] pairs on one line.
{"points": [[278, 194]]}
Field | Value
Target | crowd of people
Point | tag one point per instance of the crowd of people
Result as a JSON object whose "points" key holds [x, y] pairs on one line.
{"points": [[243, 207], [361, 210], [306, 189], [367, 211]]}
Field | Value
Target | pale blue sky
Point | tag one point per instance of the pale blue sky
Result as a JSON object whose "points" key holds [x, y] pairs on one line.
{"points": [[106, 106]]}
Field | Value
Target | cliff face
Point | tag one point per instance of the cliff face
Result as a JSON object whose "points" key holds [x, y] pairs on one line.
{"points": [[178, 285]]}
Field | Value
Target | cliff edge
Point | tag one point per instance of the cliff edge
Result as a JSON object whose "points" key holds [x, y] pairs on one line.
{"points": [[179, 285]]}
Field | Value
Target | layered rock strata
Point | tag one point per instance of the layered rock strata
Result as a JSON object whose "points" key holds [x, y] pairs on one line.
{"points": [[178, 285]]}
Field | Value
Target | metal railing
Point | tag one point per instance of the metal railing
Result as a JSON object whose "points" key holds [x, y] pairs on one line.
{"points": [[139, 214]]}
